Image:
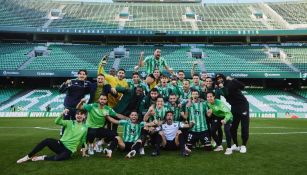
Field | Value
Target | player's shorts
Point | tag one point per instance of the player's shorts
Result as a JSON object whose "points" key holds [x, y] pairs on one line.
{"points": [[203, 136], [170, 145]]}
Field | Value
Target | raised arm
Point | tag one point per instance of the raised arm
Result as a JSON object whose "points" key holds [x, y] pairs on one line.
{"points": [[149, 113], [80, 104]]}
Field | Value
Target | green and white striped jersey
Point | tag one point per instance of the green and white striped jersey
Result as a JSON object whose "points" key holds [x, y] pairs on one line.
{"points": [[197, 114], [131, 131], [176, 111], [151, 64]]}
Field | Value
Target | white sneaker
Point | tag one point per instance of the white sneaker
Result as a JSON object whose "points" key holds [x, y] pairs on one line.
{"points": [[243, 149], [131, 154], [107, 152], [98, 148], [234, 147], [228, 151], [142, 151], [24, 159], [90, 150], [38, 158], [219, 148]]}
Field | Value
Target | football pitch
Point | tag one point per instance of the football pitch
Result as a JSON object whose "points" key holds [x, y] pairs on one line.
{"points": [[276, 146]]}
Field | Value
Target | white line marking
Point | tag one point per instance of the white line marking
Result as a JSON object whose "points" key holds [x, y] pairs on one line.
{"points": [[23, 127], [268, 127], [278, 133]]}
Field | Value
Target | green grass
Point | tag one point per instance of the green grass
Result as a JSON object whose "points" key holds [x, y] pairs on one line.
{"points": [[267, 153]]}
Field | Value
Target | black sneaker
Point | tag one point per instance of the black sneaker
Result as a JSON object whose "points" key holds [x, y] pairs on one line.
{"points": [[155, 153], [185, 154]]}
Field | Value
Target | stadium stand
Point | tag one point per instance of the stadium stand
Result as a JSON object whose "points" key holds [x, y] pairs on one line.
{"points": [[218, 58], [36, 100], [151, 16], [14, 55], [7, 93], [273, 100], [292, 12], [261, 100]]}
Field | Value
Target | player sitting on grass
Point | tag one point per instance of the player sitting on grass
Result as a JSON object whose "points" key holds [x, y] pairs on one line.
{"points": [[130, 140], [170, 137], [74, 135]]}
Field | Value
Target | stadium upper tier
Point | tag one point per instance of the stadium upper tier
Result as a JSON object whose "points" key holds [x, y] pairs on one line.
{"points": [[216, 58], [150, 16]]}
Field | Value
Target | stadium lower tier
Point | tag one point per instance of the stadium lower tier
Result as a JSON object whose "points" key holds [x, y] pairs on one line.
{"points": [[263, 102]]}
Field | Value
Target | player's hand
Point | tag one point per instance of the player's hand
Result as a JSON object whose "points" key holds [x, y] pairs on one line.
{"points": [[192, 123], [152, 112], [113, 90], [68, 82], [83, 100], [209, 112], [142, 54], [229, 78], [136, 68], [65, 112], [195, 63], [223, 122], [221, 85]]}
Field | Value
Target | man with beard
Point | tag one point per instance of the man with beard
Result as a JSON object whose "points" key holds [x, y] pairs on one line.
{"points": [[96, 118], [98, 88], [153, 62], [148, 101], [231, 90], [170, 137], [130, 140], [130, 101]]}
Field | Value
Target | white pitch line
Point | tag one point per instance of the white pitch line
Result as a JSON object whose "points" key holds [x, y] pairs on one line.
{"points": [[267, 127], [24, 127], [278, 133]]}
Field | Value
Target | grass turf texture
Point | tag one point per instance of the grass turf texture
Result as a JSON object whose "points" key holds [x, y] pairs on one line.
{"points": [[267, 153]]}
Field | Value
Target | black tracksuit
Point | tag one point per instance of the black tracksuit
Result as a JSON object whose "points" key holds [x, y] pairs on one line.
{"points": [[239, 108]]}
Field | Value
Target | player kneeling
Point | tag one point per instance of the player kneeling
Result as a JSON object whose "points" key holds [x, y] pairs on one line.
{"points": [[74, 135], [131, 141], [170, 137]]}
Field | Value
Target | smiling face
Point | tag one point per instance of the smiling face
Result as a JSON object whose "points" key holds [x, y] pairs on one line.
{"points": [[157, 53], [160, 102], [210, 97], [209, 82], [156, 74], [121, 74], [103, 100], [186, 85], [172, 99], [80, 116], [82, 75], [195, 95], [154, 95], [134, 117], [135, 79], [100, 80], [181, 76]]}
